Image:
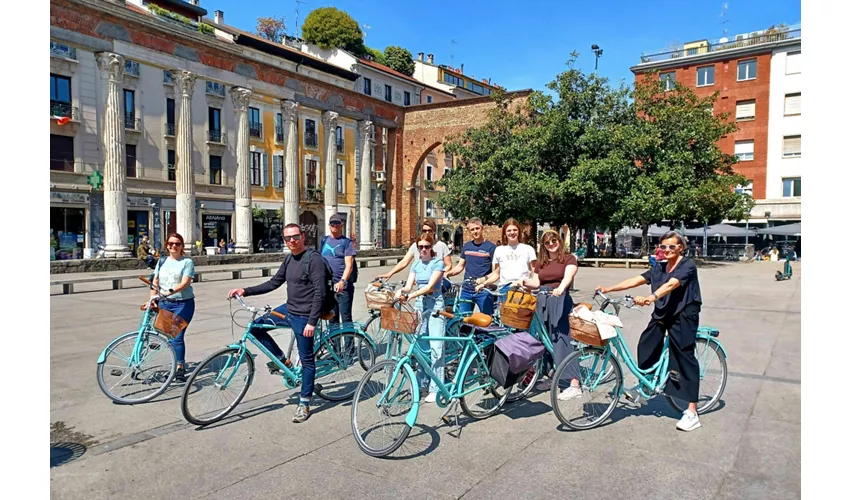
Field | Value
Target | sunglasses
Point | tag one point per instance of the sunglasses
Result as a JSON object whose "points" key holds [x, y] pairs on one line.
{"points": [[550, 242], [666, 247], [336, 223], [174, 244], [294, 237], [424, 247]]}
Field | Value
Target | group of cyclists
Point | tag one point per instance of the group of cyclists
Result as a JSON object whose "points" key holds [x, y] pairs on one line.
{"points": [[673, 281]]}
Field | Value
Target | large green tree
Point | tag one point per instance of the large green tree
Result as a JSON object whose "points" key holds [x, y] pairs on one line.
{"points": [[681, 174], [331, 28], [399, 59]]}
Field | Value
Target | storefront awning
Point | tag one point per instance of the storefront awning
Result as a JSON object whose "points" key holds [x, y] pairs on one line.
{"points": [[720, 230], [786, 230], [654, 231]]}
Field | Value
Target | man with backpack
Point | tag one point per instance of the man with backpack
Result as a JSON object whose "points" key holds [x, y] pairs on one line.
{"points": [[338, 250], [308, 295]]}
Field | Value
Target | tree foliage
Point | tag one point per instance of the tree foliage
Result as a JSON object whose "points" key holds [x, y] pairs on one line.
{"points": [[331, 28], [376, 55], [589, 157], [271, 28], [399, 59]]}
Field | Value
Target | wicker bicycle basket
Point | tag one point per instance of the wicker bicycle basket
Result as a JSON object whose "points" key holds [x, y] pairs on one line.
{"points": [[395, 320], [585, 332], [517, 310], [378, 299], [169, 324]]}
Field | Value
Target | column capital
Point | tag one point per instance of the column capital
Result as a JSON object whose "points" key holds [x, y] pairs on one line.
{"points": [[329, 118], [185, 81], [241, 97], [112, 63], [289, 110], [366, 127]]}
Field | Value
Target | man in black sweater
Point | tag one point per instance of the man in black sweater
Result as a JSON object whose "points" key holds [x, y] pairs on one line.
{"points": [[302, 309]]}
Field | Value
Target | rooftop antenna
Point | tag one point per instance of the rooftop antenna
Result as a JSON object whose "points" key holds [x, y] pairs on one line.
{"points": [[297, 12], [365, 27], [452, 55], [723, 20]]}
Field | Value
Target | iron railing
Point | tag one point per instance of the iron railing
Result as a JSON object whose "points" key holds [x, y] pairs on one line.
{"points": [[215, 135], [311, 139], [132, 123], [340, 145], [255, 129], [278, 133], [753, 39], [63, 109], [313, 195], [170, 129]]}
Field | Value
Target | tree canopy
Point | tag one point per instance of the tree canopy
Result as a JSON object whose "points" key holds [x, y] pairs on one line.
{"points": [[399, 59], [271, 28], [331, 28]]}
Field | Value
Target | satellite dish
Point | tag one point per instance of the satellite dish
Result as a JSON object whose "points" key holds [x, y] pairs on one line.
{"points": [[723, 40]]}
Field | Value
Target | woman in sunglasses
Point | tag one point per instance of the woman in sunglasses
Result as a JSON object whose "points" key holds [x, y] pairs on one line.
{"points": [[677, 299], [174, 274], [556, 269], [427, 273]]}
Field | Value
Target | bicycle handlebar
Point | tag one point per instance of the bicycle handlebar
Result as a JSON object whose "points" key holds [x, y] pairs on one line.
{"points": [[155, 288]]}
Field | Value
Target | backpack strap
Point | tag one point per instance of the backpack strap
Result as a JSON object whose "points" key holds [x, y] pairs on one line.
{"points": [[305, 265]]}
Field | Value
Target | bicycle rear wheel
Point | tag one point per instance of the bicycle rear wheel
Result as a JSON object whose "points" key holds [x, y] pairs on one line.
{"points": [[380, 429], [524, 386], [340, 364], [712, 377], [600, 391], [488, 398], [216, 386], [127, 383]]}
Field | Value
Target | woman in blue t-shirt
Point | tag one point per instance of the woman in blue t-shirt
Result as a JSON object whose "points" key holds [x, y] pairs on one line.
{"points": [[427, 273], [174, 274]]}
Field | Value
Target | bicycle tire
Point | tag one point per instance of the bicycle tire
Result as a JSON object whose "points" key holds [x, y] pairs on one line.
{"points": [[479, 365], [554, 390], [386, 367], [523, 387], [372, 328], [680, 405], [362, 346], [161, 342], [202, 370]]}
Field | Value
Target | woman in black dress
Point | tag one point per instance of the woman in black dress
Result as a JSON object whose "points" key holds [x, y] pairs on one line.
{"points": [[677, 299]]}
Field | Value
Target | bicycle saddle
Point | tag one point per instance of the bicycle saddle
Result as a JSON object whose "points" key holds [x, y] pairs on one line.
{"points": [[478, 319], [327, 316]]}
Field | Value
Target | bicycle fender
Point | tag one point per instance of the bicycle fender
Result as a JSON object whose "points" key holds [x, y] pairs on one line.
{"points": [[711, 339], [102, 357], [410, 419]]}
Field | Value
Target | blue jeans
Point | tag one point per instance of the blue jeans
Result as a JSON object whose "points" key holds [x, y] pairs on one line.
{"points": [[186, 310], [482, 299], [344, 299], [305, 346], [434, 327]]}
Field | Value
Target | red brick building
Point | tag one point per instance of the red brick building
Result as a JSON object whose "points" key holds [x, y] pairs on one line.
{"points": [[740, 70]]}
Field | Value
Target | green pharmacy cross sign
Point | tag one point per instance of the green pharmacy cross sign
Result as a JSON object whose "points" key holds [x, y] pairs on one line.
{"points": [[95, 180]]}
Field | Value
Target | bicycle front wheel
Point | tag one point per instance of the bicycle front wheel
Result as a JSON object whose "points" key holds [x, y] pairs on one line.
{"points": [[600, 381], [340, 364], [712, 377], [378, 424], [128, 381], [487, 397], [216, 386]]}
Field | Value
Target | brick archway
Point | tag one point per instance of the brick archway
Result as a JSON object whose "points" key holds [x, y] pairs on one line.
{"points": [[425, 128]]}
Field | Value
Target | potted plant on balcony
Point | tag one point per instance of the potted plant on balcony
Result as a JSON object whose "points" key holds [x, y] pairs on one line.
{"points": [[429, 185]]}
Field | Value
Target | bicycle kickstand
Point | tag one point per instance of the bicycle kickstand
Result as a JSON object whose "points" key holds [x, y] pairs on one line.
{"points": [[445, 417]]}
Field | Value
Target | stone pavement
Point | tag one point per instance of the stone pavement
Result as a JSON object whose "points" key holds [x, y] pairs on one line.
{"points": [[747, 448]]}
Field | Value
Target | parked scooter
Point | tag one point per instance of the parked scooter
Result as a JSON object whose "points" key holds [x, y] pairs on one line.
{"points": [[787, 272]]}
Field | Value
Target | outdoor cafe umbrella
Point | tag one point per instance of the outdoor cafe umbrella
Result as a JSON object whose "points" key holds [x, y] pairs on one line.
{"points": [[786, 230], [637, 232], [719, 230]]}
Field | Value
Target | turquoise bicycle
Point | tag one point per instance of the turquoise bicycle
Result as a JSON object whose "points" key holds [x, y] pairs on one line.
{"points": [[139, 366], [601, 376], [387, 399], [218, 384]]}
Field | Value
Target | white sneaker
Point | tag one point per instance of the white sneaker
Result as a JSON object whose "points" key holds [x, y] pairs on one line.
{"points": [[569, 393], [431, 397], [689, 421]]}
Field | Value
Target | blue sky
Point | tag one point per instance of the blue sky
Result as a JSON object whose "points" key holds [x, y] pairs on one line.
{"points": [[524, 44]]}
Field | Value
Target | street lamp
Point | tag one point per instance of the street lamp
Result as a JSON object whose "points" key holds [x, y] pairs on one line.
{"points": [[596, 50]]}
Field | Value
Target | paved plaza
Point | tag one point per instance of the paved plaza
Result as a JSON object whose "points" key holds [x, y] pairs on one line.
{"points": [[749, 447]]}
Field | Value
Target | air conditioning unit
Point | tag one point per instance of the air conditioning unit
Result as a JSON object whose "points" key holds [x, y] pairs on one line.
{"points": [[380, 176]]}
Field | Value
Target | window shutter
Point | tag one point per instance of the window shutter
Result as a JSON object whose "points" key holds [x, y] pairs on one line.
{"points": [[264, 171], [792, 104], [275, 171], [791, 145], [792, 63], [745, 109]]}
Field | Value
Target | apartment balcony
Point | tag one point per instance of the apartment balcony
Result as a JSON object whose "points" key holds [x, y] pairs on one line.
{"points": [[255, 130], [313, 195], [756, 38], [59, 109], [132, 124], [311, 140], [170, 130], [215, 137], [340, 146], [278, 134]]}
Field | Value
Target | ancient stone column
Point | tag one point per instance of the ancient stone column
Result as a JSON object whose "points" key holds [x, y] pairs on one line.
{"points": [[365, 130], [291, 194], [241, 97], [329, 119], [114, 168], [184, 84]]}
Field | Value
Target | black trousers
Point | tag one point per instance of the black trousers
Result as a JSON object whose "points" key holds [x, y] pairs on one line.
{"points": [[682, 331]]}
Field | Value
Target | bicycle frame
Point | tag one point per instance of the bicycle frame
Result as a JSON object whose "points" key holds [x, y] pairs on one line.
{"points": [[144, 326], [449, 391]]}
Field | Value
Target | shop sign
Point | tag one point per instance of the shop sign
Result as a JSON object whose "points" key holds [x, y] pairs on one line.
{"points": [[79, 198]]}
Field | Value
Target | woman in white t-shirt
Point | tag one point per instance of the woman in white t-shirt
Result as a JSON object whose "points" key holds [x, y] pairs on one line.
{"points": [[512, 262]]}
